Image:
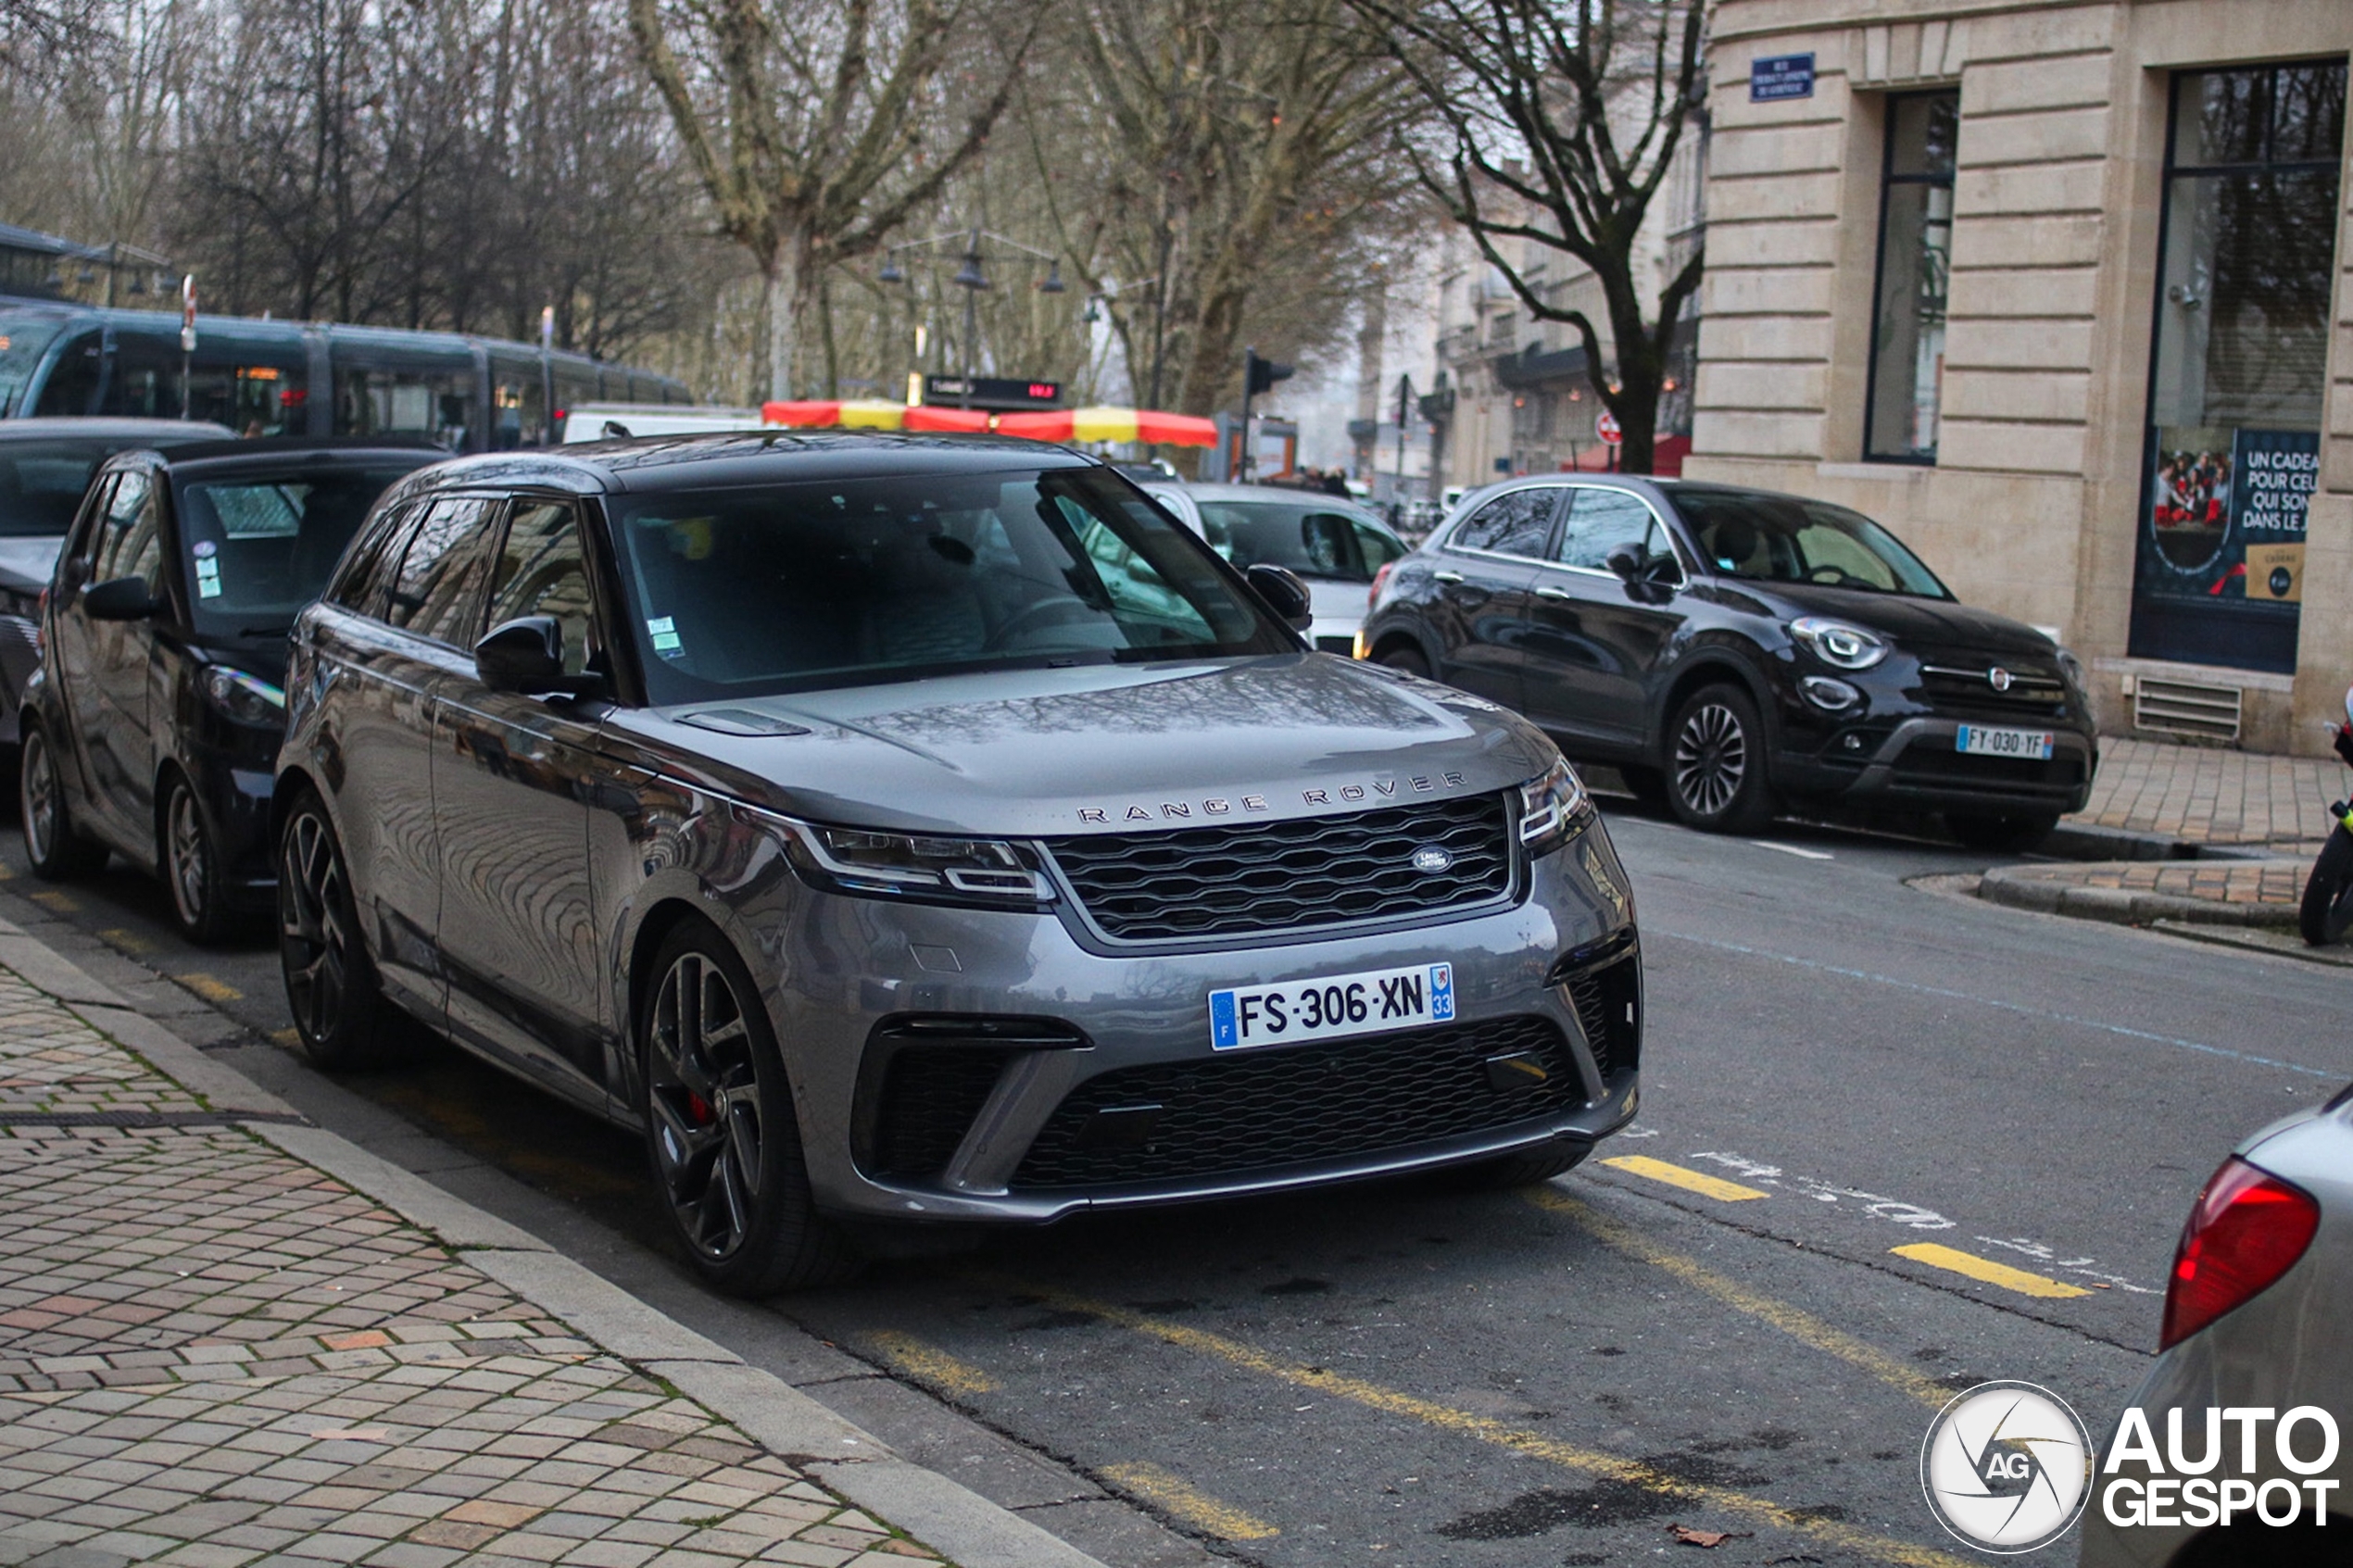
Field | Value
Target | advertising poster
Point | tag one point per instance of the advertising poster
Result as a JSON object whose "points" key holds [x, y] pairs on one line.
{"points": [[2226, 514]]}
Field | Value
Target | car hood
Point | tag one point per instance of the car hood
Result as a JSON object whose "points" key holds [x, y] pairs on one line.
{"points": [[26, 563], [1099, 748], [1912, 622]]}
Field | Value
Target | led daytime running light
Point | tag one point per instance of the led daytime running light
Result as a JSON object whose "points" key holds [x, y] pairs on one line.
{"points": [[1837, 643], [1554, 808]]}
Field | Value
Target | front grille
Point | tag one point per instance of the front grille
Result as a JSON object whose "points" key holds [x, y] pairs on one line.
{"points": [[1256, 1112], [1275, 876], [1608, 996], [1961, 682], [1937, 762]]}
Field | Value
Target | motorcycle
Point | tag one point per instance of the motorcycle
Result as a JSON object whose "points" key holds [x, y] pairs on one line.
{"points": [[2327, 911]]}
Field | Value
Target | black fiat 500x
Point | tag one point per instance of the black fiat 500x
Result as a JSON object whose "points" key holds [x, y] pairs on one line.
{"points": [[1732, 650], [151, 725]]}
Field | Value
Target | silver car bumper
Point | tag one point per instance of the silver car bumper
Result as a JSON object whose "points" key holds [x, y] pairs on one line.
{"points": [[853, 974]]}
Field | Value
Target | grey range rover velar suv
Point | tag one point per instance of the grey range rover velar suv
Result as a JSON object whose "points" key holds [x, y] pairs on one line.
{"points": [[933, 830]]}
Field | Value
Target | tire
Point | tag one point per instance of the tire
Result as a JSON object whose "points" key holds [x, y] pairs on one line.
{"points": [[57, 849], [340, 1012], [1522, 1170], [2007, 836], [722, 1139], [1406, 659], [2327, 911], [1718, 777], [189, 857]]}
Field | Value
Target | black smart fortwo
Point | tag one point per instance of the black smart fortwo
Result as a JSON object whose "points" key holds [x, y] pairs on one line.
{"points": [[1730, 649], [151, 727]]}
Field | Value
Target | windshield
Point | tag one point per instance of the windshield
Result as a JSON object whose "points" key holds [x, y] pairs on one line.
{"points": [[22, 338], [256, 551], [837, 583], [1785, 539], [1315, 539], [42, 482]]}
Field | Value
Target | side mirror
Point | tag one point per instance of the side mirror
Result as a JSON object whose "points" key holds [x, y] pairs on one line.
{"points": [[1283, 593], [125, 598], [526, 656]]}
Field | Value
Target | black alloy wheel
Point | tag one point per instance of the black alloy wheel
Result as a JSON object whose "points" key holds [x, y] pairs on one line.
{"points": [[1718, 777], [720, 1129], [2001, 835], [1406, 659], [192, 865], [56, 847], [340, 1012], [2327, 911]]}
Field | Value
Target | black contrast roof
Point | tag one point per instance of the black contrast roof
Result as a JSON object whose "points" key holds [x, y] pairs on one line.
{"points": [[682, 462]]}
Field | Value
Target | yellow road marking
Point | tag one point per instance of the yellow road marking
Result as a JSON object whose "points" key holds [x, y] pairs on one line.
{"points": [[1699, 1182], [286, 1037], [128, 941], [1188, 1503], [1501, 1435], [212, 990], [61, 902], [936, 1367], [1795, 1322], [1987, 1270]]}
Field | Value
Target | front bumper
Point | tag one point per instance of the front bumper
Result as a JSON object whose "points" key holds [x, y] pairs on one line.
{"points": [[857, 974], [1917, 764]]}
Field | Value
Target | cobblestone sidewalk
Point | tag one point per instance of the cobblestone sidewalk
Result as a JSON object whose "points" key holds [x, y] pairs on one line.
{"points": [[2209, 795], [212, 1355]]}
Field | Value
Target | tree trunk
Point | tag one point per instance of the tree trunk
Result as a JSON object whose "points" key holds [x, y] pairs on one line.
{"points": [[779, 307]]}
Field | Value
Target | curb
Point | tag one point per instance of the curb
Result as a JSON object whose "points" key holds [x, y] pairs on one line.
{"points": [[2045, 890], [949, 1517]]}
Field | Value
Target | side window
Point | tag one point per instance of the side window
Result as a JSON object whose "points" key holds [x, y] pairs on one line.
{"points": [[358, 582], [89, 526], [127, 545], [1378, 548], [1599, 522], [1517, 524], [438, 593], [541, 572]]}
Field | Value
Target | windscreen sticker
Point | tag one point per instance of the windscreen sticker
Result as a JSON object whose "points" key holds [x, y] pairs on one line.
{"points": [[664, 630], [205, 549], [207, 576]]}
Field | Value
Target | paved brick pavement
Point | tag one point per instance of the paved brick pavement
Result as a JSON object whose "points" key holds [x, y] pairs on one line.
{"points": [[212, 1355], [2211, 794]]}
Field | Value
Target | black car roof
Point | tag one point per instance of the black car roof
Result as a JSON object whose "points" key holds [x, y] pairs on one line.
{"points": [[652, 464], [269, 446]]}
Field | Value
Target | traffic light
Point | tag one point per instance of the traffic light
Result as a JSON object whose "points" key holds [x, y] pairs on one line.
{"points": [[1260, 375]]}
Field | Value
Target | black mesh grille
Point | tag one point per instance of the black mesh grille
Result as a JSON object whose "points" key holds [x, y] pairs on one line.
{"points": [[1259, 1111], [1960, 682], [1608, 1000], [1250, 877], [930, 1095]]}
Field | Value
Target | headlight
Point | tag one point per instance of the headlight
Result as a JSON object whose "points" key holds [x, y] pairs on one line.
{"points": [[2071, 667], [249, 699], [1554, 808], [917, 867], [1837, 644]]}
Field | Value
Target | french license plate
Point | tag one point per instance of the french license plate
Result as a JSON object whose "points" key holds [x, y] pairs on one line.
{"points": [[1331, 1007], [1979, 741]]}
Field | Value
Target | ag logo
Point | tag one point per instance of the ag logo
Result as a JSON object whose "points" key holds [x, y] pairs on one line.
{"points": [[2007, 1467]]}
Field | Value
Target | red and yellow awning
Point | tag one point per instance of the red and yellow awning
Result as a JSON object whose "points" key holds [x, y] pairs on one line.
{"points": [[1151, 425]]}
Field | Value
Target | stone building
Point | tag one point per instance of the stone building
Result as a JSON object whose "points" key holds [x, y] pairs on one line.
{"points": [[2060, 292]]}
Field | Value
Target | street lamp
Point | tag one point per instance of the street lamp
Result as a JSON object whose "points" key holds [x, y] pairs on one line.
{"points": [[971, 276]]}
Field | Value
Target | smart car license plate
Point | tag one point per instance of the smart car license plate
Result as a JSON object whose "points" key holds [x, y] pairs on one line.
{"points": [[1979, 741], [1331, 1007]]}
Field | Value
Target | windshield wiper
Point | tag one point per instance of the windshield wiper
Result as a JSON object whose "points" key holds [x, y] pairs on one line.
{"points": [[265, 631]]}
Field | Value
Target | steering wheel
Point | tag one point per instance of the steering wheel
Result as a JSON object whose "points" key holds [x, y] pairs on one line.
{"points": [[1838, 576], [1045, 612]]}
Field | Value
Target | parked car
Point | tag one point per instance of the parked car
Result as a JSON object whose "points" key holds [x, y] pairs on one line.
{"points": [[152, 723], [44, 471], [2254, 1325], [908, 830], [1334, 545], [1729, 649]]}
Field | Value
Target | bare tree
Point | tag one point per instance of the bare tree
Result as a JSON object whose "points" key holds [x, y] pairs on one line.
{"points": [[1560, 119], [816, 130]]}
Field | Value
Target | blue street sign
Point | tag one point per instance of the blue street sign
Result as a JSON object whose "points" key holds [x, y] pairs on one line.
{"points": [[1780, 76]]}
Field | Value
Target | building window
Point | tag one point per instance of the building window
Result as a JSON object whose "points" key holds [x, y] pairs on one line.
{"points": [[1915, 273], [2238, 368]]}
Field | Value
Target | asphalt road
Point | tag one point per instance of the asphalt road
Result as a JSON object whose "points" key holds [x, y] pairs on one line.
{"points": [[1893, 1142]]}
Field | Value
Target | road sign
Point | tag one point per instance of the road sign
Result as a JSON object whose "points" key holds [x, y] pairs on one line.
{"points": [[1606, 429], [1772, 77]]}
